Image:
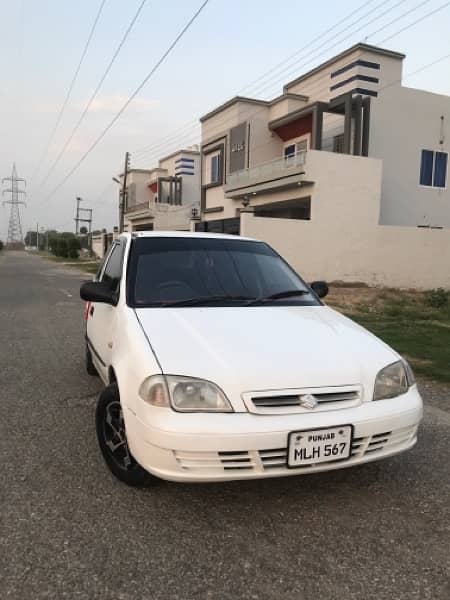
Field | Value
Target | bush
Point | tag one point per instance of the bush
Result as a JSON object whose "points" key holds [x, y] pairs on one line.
{"points": [[53, 243], [62, 247], [1, 245], [73, 245], [437, 298]]}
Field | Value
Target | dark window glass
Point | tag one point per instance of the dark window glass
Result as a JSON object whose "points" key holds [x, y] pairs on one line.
{"points": [[440, 169], [426, 168], [113, 270], [289, 151], [215, 168], [175, 269]]}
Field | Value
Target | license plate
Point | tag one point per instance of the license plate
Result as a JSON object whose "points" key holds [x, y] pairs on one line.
{"points": [[319, 445]]}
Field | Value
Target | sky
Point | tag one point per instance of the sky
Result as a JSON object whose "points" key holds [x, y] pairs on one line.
{"points": [[231, 45]]}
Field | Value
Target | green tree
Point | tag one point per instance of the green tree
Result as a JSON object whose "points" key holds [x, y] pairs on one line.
{"points": [[1, 245]]}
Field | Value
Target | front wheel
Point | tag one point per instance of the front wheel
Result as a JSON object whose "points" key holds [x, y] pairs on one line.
{"points": [[113, 441]]}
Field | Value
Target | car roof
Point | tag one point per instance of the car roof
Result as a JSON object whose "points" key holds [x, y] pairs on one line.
{"points": [[187, 234]]}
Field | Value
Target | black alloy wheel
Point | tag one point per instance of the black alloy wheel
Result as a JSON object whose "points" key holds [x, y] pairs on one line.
{"points": [[112, 439]]}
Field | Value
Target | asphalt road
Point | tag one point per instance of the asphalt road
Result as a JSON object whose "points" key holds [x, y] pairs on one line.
{"points": [[69, 530]]}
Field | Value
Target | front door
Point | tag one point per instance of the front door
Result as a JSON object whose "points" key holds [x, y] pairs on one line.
{"points": [[101, 318]]}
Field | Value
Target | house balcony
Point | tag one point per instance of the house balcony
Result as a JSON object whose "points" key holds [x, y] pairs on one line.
{"points": [[144, 209], [278, 174]]}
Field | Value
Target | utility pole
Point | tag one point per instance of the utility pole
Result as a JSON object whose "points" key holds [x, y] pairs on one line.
{"points": [[123, 193], [82, 218], [15, 237], [77, 217], [37, 236]]}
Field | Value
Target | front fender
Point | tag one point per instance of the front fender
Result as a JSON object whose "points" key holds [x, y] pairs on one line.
{"points": [[133, 360]]}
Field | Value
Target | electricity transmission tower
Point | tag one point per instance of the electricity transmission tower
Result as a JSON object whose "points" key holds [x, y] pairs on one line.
{"points": [[15, 236]]}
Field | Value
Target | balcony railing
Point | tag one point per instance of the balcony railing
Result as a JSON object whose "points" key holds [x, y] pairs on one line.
{"points": [[274, 169], [138, 207]]}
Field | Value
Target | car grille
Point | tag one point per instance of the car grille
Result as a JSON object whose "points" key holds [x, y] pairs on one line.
{"points": [[276, 458], [285, 403]]}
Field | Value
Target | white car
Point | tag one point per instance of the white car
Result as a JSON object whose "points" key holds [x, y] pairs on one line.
{"points": [[221, 363]]}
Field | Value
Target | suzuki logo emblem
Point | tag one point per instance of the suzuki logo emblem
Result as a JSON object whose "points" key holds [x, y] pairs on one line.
{"points": [[308, 401]]}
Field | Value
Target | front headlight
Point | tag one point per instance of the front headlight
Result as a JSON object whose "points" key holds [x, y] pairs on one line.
{"points": [[393, 380], [184, 394]]}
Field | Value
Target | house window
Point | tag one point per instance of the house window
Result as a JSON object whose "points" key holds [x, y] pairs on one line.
{"points": [[214, 167], [433, 169], [338, 143], [289, 151], [295, 149]]}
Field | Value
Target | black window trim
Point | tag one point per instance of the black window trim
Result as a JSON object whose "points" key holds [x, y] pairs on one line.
{"points": [[119, 243], [221, 148]]}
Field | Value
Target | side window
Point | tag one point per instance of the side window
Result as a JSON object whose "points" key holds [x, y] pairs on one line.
{"points": [[433, 169], [213, 166], [113, 269]]}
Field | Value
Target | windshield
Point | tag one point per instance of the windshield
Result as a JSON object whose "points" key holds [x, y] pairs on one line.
{"points": [[171, 271]]}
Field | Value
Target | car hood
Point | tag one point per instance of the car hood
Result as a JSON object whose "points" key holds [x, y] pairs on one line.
{"points": [[264, 348]]}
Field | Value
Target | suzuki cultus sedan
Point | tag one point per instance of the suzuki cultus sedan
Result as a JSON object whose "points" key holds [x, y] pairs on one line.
{"points": [[221, 363]]}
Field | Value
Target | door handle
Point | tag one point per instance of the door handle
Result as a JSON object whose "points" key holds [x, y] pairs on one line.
{"points": [[91, 310]]}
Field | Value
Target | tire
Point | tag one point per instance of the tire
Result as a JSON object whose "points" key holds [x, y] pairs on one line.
{"points": [[112, 440], [90, 368]]}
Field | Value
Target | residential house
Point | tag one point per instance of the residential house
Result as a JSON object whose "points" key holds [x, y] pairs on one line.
{"points": [[163, 198], [274, 156]]}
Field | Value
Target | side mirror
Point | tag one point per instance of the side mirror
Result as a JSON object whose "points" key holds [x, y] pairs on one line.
{"points": [[320, 288], [97, 291]]}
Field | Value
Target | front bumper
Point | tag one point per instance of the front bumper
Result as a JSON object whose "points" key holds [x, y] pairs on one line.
{"points": [[221, 447]]}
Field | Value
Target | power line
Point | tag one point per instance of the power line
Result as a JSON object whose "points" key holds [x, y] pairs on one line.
{"points": [[381, 89], [129, 100], [316, 89], [94, 95], [333, 45], [317, 38], [300, 60], [306, 46], [289, 72], [410, 74], [439, 8], [69, 91]]}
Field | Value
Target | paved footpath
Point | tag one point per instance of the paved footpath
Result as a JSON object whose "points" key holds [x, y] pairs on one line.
{"points": [[68, 530]]}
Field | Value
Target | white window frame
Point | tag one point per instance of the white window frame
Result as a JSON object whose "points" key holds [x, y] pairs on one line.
{"points": [[295, 142], [301, 138], [433, 187]]}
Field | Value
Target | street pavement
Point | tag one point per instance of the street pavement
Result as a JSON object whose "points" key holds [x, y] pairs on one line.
{"points": [[69, 530]]}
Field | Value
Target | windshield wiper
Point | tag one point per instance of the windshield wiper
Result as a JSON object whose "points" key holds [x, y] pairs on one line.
{"points": [[278, 296], [206, 300]]}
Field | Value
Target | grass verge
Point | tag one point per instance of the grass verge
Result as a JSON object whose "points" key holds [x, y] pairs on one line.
{"points": [[407, 322], [88, 266]]}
